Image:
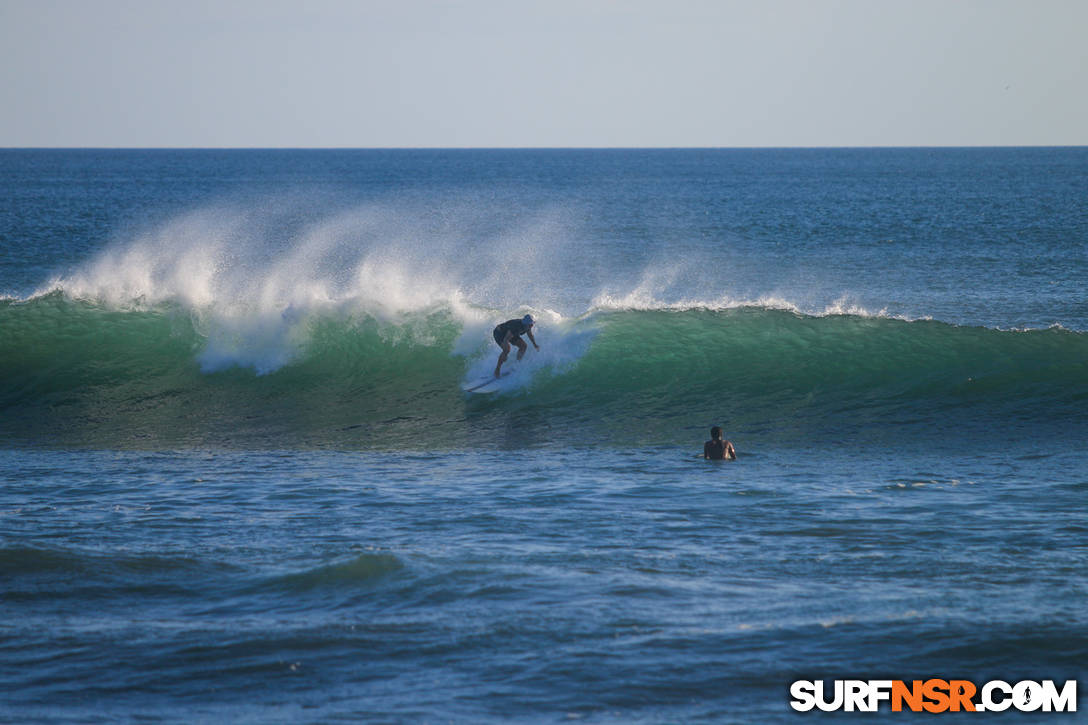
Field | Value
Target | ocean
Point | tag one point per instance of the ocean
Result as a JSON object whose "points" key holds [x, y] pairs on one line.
{"points": [[240, 480]]}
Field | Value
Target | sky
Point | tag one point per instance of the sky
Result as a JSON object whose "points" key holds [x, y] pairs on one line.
{"points": [[553, 73]]}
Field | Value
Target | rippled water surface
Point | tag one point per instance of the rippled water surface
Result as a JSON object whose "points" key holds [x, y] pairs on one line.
{"points": [[240, 480]]}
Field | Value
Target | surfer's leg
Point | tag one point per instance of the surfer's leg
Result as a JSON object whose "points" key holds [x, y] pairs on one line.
{"points": [[522, 347], [502, 357]]}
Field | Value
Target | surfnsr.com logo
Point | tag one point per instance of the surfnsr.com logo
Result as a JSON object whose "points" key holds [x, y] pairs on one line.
{"points": [[933, 696]]}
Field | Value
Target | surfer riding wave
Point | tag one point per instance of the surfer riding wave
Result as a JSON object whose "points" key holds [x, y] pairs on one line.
{"points": [[510, 332]]}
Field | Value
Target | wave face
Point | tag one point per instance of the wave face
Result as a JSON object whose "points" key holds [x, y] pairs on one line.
{"points": [[86, 373]]}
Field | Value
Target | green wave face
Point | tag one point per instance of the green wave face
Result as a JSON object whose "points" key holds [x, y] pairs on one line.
{"points": [[76, 373]]}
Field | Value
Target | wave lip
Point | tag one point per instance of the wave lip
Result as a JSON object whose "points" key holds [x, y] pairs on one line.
{"points": [[362, 570]]}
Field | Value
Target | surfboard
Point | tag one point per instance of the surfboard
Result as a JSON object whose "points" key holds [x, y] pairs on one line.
{"points": [[489, 384]]}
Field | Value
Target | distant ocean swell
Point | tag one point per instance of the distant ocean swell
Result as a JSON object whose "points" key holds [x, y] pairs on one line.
{"points": [[75, 371], [41, 572]]}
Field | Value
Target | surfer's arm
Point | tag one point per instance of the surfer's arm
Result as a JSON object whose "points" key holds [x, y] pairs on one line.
{"points": [[730, 452], [532, 339]]}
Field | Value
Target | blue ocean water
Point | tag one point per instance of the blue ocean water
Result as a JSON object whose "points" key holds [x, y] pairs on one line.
{"points": [[241, 482]]}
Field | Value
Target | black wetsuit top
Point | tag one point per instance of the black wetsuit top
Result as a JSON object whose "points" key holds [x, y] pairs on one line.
{"points": [[714, 450], [516, 327]]}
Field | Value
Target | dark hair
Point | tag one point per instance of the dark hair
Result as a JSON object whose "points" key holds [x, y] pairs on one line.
{"points": [[715, 432]]}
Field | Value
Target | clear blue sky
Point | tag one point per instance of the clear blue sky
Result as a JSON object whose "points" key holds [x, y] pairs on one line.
{"points": [[478, 73]]}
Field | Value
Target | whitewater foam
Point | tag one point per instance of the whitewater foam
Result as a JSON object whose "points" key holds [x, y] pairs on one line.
{"points": [[640, 299], [255, 280]]}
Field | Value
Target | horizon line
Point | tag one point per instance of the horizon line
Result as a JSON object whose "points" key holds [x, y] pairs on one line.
{"points": [[541, 148]]}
